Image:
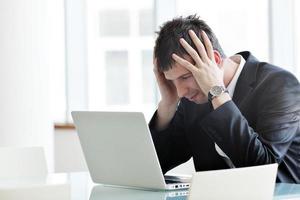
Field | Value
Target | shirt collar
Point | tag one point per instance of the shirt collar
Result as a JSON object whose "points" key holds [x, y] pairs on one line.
{"points": [[231, 86]]}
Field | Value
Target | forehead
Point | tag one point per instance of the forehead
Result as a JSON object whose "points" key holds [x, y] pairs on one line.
{"points": [[177, 70]]}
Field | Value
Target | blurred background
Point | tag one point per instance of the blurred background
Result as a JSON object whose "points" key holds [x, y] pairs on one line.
{"points": [[62, 55]]}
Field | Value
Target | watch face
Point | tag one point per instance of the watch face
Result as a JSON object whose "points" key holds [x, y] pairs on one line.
{"points": [[216, 90]]}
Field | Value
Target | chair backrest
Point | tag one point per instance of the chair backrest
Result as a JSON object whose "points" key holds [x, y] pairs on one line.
{"points": [[21, 162]]}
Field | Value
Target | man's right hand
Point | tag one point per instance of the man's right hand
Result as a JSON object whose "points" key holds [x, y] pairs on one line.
{"points": [[169, 98]]}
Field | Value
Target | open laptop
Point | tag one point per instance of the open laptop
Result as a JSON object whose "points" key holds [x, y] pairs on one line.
{"points": [[247, 183], [119, 150]]}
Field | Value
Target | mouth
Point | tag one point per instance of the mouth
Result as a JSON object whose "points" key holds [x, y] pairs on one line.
{"points": [[192, 98]]}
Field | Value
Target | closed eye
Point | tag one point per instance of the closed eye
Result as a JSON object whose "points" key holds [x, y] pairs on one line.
{"points": [[186, 77]]}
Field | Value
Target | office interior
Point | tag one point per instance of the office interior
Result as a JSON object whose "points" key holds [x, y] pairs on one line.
{"points": [[62, 55]]}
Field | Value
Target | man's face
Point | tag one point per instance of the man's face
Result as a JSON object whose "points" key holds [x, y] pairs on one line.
{"points": [[185, 83]]}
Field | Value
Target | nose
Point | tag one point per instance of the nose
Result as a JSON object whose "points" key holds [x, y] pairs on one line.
{"points": [[182, 90]]}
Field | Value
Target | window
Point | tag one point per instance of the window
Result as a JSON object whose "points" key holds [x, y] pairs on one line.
{"points": [[235, 24], [109, 46], [120, 43], [284, 34], [297, 38]]}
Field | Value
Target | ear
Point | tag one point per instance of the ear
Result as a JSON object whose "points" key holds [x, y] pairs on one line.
{"points": [[218, 57]]}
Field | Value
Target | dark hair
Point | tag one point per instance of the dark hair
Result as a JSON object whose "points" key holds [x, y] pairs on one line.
{"points": [[170, 32]]}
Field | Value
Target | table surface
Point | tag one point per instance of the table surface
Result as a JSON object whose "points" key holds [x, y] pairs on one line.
{"points": [[82, 188]]}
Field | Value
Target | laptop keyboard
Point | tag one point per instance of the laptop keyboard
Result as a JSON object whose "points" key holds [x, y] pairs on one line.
{"points": [[172, 181]]}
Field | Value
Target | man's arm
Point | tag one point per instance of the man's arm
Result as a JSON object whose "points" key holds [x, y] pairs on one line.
{"points": [[276, 136], [167, 125], [164, 115], [171, 143], [169, 99]]}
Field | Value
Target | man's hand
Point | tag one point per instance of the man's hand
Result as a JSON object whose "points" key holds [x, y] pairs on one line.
{"points": [[167, 89], [205, 71], [169, 98]]}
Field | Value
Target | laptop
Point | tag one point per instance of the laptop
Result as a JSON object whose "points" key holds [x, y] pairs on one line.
{"points": [[247, 183], [119, 150]]}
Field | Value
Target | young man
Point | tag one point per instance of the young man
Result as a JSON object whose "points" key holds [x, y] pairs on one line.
{"points": [[223, 111]]}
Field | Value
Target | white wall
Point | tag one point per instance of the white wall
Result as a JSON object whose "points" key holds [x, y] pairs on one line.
{"points": [[25, 60], [68, 153]]}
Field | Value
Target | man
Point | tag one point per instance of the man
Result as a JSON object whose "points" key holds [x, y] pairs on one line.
{"points": [[223, 111]]}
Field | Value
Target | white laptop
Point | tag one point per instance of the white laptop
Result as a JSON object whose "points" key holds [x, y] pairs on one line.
{"points": [[247, 183], [119, 150]]}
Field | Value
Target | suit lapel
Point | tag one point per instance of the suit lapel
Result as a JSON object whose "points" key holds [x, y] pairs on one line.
{"points": [[246, 79]]}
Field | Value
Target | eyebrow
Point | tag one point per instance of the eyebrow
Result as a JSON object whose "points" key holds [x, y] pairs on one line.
{"points": [[181, 76], [188, 73]]}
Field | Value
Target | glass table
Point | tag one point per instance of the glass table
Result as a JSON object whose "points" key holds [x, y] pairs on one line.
{"points": [[79, 186], [82, 188]]}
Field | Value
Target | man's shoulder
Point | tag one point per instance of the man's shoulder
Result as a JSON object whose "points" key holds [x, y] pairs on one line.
{"points": [[264, 70], [270, 72]]}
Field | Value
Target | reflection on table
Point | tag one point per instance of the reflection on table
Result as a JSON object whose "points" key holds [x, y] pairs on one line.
{"points": [[114, 193], [287, 191], [282, 191], [79, 186]]}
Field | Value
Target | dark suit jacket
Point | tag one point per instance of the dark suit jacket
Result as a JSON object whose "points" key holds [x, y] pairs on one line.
{"points": [[259, 126]]}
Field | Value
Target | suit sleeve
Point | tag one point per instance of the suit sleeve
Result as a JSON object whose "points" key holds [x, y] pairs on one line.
{"points": [[171, 144], [277, 124]]}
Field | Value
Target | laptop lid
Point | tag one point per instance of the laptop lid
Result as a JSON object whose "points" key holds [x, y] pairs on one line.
{"points": [[119, 150], [245, 183]]}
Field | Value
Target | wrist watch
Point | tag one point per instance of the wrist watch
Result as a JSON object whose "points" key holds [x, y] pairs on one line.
{"points": [[216, 91]]}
